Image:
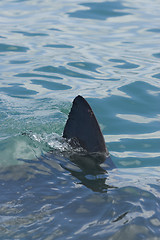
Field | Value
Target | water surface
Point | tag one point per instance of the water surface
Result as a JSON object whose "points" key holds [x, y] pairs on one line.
{"points": [[51, 51]]}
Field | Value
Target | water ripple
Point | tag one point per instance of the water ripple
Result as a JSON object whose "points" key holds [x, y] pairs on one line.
{"points": [[138, 119], [58, 46], [16, 91], [124, 64], [62, 70], [51, 51], [12, 48], [100, 11], [51, 85], [30, 34]]}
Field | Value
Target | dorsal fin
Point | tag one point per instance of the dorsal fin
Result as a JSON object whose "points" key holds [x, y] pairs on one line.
{"points": [[83, 126]]}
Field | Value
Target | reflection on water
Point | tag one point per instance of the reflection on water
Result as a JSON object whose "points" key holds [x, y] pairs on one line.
{"points": [[101, 10], [49, 201], [51, 51], [16, 91], [12, 48], [50, 85]]}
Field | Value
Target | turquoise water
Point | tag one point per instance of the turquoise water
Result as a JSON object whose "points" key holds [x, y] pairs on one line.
{"points": [[109, 52]]}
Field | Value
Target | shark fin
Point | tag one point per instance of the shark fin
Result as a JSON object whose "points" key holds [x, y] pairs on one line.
{"points": [[82, 125]]}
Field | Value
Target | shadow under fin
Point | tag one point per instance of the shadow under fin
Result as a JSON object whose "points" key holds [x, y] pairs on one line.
{"points": [[83, 126]]}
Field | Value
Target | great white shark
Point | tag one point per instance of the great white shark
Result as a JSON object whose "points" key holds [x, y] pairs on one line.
{"points": [[82, 131], [86, 156]]}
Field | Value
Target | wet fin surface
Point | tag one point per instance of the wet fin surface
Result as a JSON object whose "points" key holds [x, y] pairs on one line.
{"points": [[83, 126]]}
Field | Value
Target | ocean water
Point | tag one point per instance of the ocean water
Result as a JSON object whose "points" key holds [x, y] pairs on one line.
{"points": [[108, 52]]}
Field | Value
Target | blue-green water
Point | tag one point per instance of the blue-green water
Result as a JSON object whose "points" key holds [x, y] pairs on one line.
{"points": [[109, 52]]}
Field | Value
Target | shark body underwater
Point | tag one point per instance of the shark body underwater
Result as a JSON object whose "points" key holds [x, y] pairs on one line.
{"points": [[82, 131], [86, 157]]}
